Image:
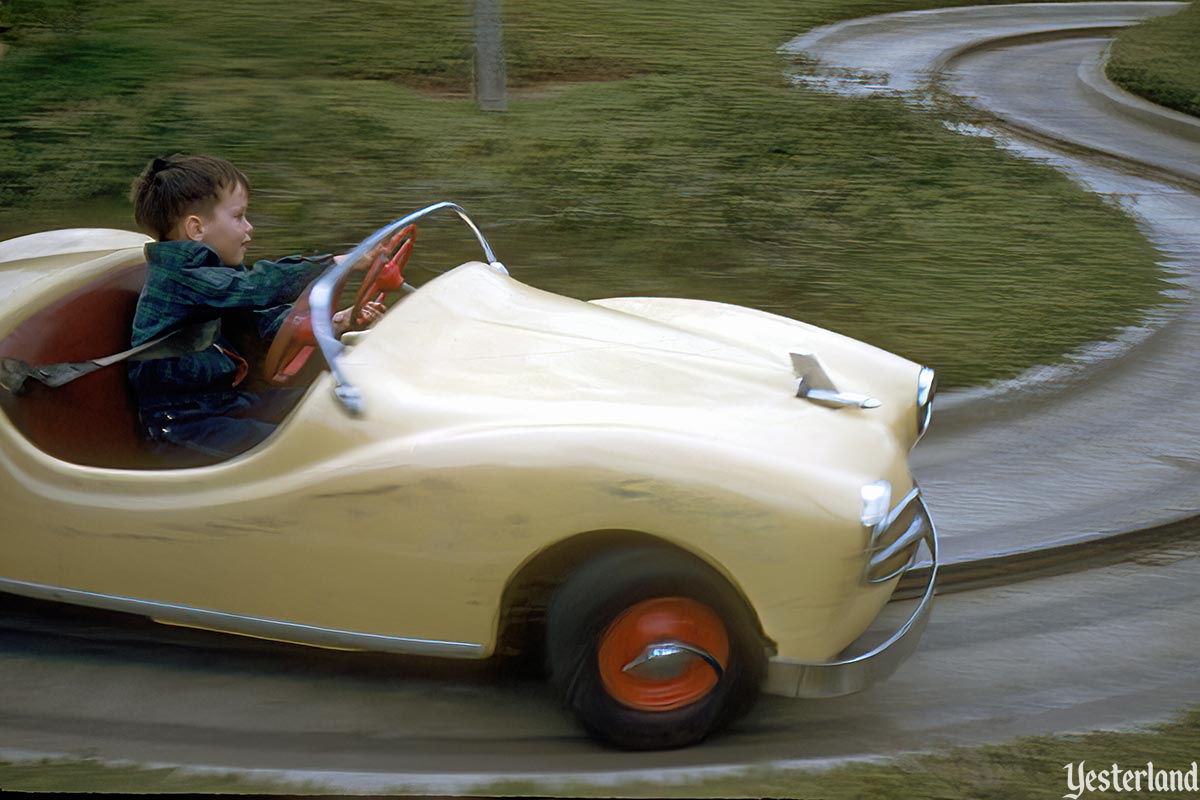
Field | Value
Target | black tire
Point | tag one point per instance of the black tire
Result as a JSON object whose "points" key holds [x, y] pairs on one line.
{"points": [[595, 595]]}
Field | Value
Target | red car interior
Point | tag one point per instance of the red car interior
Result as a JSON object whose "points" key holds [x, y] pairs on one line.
{"points": [[92, 420]]}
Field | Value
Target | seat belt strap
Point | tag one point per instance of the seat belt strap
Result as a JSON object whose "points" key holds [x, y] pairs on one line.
{"points": [[14, 373]]}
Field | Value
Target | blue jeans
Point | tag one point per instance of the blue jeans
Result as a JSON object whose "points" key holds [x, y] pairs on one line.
{"points": [[193, 434]]}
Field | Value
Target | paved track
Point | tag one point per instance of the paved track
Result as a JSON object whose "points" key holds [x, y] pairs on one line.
{"points": [[1100, 647], [1107, 445]]}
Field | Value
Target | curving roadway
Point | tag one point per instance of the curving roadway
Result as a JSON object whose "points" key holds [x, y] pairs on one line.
{"points": [[1110, 442], [1097, 648]]}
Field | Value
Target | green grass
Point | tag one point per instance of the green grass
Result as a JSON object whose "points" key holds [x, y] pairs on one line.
{"points": [[649, 149], [91, 775], [1024, 768], [1160, 60]]}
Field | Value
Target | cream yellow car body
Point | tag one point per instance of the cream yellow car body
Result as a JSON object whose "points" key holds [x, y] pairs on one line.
{"points": [[499, 422]]}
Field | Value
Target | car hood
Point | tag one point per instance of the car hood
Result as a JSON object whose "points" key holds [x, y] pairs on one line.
{"points": [[477, 344]]}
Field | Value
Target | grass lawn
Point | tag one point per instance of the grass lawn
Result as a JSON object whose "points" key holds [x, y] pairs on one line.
{"points": [[650, 148], [1024, 768], [1160, 60]]}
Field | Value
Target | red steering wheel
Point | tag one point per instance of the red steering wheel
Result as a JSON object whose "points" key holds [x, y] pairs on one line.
{"points": [[295, 340], [385, 274]]}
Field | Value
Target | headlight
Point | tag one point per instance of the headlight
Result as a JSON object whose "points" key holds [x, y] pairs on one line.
{"points": [[926, 389]]}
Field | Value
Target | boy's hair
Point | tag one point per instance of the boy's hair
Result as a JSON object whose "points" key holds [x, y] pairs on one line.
{"points": [[171, 188]]}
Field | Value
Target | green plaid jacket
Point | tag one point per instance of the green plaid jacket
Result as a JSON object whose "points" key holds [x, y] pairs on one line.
{"points": [[186, 283]]}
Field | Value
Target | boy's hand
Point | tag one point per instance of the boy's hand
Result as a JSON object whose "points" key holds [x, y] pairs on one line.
{"points": [[372, 312]]}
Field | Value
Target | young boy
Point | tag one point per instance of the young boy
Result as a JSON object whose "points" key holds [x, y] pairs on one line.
{"points": [[191, 405]]}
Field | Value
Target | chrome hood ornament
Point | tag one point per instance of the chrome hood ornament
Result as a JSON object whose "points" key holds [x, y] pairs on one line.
{"points": [[816, 385]]}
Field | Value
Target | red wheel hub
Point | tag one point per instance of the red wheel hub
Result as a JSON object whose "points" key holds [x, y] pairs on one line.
{"points": [[651, 622]]}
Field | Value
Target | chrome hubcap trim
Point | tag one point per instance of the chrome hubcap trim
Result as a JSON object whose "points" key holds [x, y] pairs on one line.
{"points": [[664, 661]]}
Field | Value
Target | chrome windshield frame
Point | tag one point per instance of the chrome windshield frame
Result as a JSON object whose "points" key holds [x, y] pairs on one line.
{"points": [[321, 297]]}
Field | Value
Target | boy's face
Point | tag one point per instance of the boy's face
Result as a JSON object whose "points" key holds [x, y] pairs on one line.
{"points": [[225, 229]]}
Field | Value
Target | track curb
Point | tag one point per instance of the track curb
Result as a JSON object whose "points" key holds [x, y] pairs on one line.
{"points": [[1039, 562], [1092, 77]]}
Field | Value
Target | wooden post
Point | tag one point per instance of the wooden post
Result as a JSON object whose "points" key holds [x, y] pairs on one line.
{"points": [[491, 91]]}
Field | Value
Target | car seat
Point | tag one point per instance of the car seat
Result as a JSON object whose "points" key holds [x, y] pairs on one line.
{"points": [[93, 420]]}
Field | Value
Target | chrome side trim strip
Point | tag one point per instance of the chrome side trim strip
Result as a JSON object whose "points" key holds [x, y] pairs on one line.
{"points": [[794, 678], [249, 626]]}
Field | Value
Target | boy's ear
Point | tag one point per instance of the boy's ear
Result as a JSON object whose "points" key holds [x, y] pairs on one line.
{"points": [[193, 227]]}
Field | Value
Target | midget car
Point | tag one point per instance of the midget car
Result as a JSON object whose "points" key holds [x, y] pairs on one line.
{"points": [[674, 504]]}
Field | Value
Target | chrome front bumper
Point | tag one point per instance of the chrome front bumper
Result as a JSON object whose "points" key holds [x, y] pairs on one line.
{"points": [[792, 678]]}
